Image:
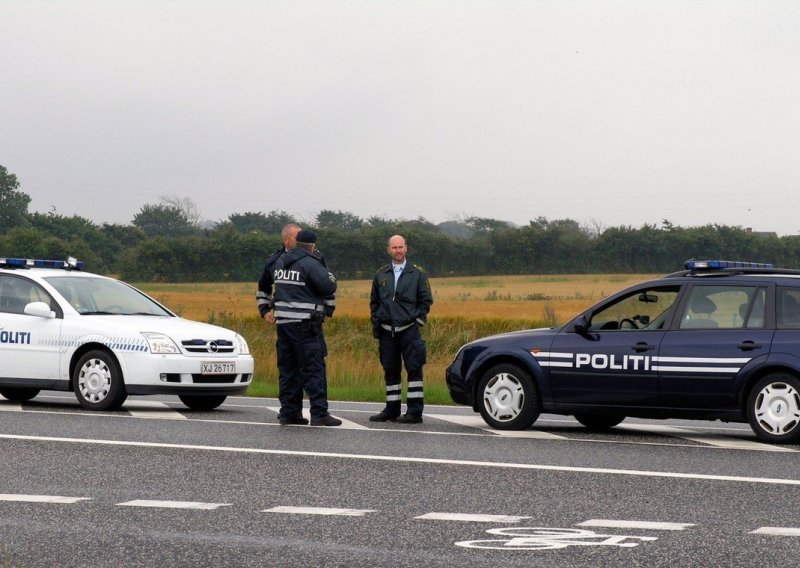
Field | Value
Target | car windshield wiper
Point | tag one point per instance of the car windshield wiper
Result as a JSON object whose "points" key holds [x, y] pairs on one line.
{"points": [[98, 313]]}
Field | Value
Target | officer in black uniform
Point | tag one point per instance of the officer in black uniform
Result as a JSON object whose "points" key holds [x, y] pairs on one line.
{"points": [[304, 293], [399, 304], [265, 302]]}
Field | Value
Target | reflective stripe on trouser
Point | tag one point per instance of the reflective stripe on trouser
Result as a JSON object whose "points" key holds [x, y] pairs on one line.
{"points": [[301, 364], [406, 348]]}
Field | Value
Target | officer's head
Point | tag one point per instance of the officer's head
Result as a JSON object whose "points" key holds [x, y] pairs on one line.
{"points": [[397, 249], [289, 235], [307, 239]]}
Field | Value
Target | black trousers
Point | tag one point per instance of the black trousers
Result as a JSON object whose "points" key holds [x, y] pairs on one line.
{"points": [[301, 365], [397, 349]]}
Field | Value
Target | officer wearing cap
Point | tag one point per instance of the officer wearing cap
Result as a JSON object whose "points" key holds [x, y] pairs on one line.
{"points": [[399, 304], [304, 294]]}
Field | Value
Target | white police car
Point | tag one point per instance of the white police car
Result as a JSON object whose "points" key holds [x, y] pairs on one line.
{"points": [[65, 329], [719, 340]]}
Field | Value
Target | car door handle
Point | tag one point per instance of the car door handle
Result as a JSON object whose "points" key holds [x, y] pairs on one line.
{"points": [[749, 345], [642, 346]]}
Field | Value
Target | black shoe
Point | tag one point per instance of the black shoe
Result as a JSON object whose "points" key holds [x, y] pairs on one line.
{"points": [[409, 419], [326, 421], [286, 420], [383, 416]]}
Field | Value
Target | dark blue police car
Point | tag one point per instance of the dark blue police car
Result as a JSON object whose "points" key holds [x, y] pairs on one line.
{"points": [[718, 340]]}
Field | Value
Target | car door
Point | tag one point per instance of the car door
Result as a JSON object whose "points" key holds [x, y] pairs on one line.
{"points": [[722, 327], [610, 362], [30, 345]]}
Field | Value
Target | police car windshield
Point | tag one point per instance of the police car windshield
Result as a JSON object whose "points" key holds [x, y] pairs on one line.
{"points": [[102, 296]]}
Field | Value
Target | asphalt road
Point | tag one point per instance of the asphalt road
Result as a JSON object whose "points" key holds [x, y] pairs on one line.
{"points": [[155, 484]]}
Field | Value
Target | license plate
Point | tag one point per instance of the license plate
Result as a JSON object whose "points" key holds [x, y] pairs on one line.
{"points": [[218, 369]]}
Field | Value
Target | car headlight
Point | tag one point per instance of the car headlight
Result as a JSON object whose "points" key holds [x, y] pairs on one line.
{"points": [[160, 343], [244, 349]]}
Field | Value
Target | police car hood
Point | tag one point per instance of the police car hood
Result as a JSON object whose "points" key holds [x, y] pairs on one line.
{"points": [[175, 327], [538, 336]]}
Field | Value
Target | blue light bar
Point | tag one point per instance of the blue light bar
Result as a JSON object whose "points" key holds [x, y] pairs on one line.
{"points": [[70, 264], [720, 264], [13, 262]]}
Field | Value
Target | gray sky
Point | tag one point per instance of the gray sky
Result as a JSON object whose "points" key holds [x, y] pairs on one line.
{"points": [[606, 112]]}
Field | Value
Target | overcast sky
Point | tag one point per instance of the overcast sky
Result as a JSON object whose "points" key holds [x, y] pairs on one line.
{"points": [[606, 112]]}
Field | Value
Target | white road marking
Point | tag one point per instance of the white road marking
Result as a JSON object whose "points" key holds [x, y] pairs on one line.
{"points": [[711, 439], [58, 499], [173, 504], [320, 511], [152, 409], [477, 518], [648, 525], [307, 416], [403, 459], [778, 531], [481, 429], [476, 421], [9, 406]]}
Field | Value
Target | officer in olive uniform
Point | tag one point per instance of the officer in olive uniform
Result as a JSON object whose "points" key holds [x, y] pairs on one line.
{"points": [[304, 293], [399, 304]]}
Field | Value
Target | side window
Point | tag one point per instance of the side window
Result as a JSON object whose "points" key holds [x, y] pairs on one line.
{"points": [[789, 308], [644, 309], [726, 307], [16, 293]]}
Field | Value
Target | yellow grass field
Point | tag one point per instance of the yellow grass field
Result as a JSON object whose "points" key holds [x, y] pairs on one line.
{"points": [[473, 297], [464, 309]]}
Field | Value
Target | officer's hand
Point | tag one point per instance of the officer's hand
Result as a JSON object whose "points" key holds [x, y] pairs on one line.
{"points": [[270, 317], [376, 330]]}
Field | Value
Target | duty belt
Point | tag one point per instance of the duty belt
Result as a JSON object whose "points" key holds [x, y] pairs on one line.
{"points": [[396, 329]]}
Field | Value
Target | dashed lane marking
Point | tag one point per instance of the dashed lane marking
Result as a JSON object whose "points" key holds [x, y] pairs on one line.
{"points": [[57, 499], [152, 409], [478, 423], [778, 531], [319, 511], [474, 518], [710, 439], [9, 406], [307, 416], [173, 504], [647, 525]]}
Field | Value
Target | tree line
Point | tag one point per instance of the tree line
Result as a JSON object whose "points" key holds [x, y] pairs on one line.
{"points": [[167, 242]]}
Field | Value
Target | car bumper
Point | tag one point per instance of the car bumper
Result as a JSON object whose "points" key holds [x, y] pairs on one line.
{"points": [[458, 389], [170, 374]]}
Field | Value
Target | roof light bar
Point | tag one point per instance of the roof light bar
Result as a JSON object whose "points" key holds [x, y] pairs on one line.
{"points": [[721, 264], [69, 264]]}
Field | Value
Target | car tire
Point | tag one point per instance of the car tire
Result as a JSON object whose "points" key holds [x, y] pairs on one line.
{"points": [[508, 399], [19, 394], [599, 422], [773, 409], [97, 381], [200, 402]]}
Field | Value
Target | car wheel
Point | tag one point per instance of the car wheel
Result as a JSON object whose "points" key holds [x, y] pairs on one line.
{"points": [[599, 422], [509, 400], [200, 402], [19, 394], [773, 408], [97, 381]]}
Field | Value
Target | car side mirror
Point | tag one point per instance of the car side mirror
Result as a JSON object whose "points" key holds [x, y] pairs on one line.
{"points": [[581, 325], [39, 309]]}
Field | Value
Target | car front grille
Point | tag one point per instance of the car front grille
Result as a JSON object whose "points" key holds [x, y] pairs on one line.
{"points": [[208, 345]]}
